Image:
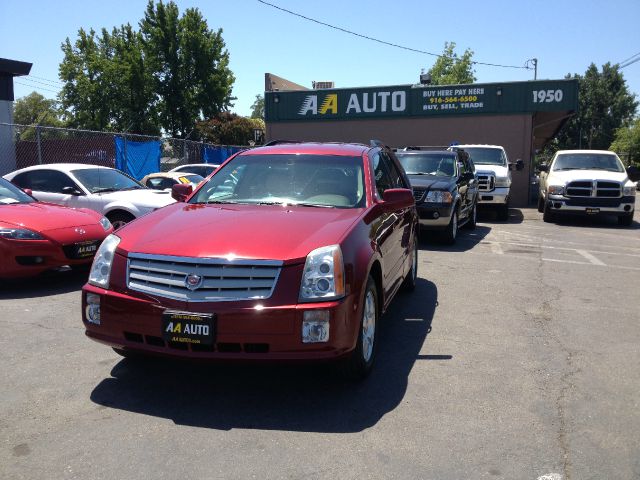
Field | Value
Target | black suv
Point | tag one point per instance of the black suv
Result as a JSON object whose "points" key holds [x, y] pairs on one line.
{"points": [[445, 187]]}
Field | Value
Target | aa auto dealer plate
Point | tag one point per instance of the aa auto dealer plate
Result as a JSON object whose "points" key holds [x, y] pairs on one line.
{"points": [[188, 327]]}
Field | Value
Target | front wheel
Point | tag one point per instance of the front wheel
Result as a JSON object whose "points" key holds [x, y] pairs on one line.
{"points": [[472, 222], [411, 279], [540, 204], [359, 363], [451, 233], [119, 219], [503, 212], [626, 220], [547, 215]]}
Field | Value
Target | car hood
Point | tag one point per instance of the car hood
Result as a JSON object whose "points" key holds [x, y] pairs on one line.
{"points": [[266, 232], [497, 170], [431, 182], [143, 197], [42, 217], [564, 176]]}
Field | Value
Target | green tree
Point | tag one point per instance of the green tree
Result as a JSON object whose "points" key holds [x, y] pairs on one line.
{"points": [[35, 109], [450, 69], [229, 129], [257, 109], [189, 65], [627, 142], [604, 106]]}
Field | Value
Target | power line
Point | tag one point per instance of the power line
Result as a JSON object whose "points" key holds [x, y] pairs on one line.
{"points": [[48, 84], [38, 87], [382, 41], [48, 80], [629, 63], [627, 59]]}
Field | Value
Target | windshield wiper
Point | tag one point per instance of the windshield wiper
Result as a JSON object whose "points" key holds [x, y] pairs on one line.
{"points": [[319, 205], [420, 173], [135, 187]]}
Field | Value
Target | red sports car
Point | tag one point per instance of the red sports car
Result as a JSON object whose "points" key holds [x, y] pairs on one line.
{"points": [[36, 236], [288, 252]]}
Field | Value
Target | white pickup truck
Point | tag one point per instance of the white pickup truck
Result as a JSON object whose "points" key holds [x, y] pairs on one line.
{"points": [[494, 176], [587, 182]]}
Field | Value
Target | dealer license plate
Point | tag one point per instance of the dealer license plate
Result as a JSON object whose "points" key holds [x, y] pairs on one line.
{"points": [[84, 249], [188, 327], [592, 211]]}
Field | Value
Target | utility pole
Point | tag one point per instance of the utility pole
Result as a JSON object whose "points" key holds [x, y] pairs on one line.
{"points": [[535, 68]]}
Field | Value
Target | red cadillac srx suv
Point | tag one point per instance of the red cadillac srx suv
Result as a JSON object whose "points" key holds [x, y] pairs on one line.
{"points": [[288, 252]]}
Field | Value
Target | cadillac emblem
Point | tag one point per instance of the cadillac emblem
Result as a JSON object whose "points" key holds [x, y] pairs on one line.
{"points": [[193, 281]]}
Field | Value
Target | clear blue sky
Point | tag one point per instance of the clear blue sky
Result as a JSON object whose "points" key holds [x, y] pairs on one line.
{"points": [[565, 36]]}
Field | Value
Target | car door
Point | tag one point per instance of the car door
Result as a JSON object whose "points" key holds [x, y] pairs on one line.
{"points": [[469, 181], [47, 185], [463, 186]]}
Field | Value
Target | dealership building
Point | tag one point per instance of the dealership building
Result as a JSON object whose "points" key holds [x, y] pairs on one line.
{"points": [[520, 116]]}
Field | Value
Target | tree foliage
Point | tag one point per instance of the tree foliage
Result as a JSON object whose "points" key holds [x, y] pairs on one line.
{"points": [[604, 106], [451, 69], [627, 142], [257, 109], [165, 76], [35, 109], [229, 129]]}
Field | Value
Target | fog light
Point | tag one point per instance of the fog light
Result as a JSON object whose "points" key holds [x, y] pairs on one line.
{"points": [[627, 208], [436, 215], [92, 310], [315, 326]]}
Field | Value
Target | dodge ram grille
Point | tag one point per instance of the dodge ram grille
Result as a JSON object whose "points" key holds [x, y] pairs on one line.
{"points": [[596, 188], [202, 279], [486, 182]]}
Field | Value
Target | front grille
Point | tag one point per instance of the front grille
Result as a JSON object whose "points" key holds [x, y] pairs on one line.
{"points": [[486, 182], [597, 189], [418, 194], [593, 202], [221, 279], [198, 348]]}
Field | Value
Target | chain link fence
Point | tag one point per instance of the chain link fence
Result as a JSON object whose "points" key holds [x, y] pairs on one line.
{"points": [[26, 145]]}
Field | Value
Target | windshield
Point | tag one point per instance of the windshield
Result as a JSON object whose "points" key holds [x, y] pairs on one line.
{"points": [[98, 180], [587, 161], [486, 156], [307, 180], [9, 194], [428, 163]]}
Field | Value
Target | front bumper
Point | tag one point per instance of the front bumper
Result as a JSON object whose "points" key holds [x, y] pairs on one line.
{"points": [[434, 215], [245, 330], [614, 206], [498, 196]]}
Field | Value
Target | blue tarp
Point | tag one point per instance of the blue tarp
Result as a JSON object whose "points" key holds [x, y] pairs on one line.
{"points": [[217, 155], [137, 158]]}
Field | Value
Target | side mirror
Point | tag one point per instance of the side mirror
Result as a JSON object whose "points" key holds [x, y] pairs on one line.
{"points": [[543, 167], [398, 198], [634, 173], [180, 192], [71, 191], [519, 164]]}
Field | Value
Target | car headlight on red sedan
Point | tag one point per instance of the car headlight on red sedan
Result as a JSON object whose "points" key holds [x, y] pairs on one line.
{"points": [[101, 266], [323, 276], [20, 234]]}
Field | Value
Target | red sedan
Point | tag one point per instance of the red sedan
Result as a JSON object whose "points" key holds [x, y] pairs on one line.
{"points": [[36, 236], [288, 252]]}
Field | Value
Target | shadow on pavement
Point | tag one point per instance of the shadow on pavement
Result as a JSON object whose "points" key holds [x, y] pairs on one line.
{"points": [[303, 397], [487, 214], [595, 221], [47, 284], [466, 240]]}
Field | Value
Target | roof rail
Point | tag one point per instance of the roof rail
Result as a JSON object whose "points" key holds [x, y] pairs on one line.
{"points": [[279, 142], [420, 147], [376, 143]]}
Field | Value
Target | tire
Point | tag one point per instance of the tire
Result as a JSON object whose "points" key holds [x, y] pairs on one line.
{"points": [[471, 221], [626, 220], [360, 362], [451, 233], [540, 204], [409, 284], [547, 216], [503, 212], [119, 219]]}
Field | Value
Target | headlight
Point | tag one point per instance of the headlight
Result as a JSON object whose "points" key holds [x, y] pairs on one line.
{"points": [[323, 276], [438, 196], [555, 189], [106, 224], [503, 182], [101, 267], [628, 191], [20, 234]]}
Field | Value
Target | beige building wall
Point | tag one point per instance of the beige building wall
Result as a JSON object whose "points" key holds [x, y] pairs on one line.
{"points": [[513, 132]]}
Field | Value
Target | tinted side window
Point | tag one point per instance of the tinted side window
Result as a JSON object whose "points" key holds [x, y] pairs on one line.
{"points": [[50, 181], [395, 175], [381, 174]]}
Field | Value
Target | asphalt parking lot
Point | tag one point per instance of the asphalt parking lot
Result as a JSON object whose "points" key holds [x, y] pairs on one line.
{"points": [[517, 357]]}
